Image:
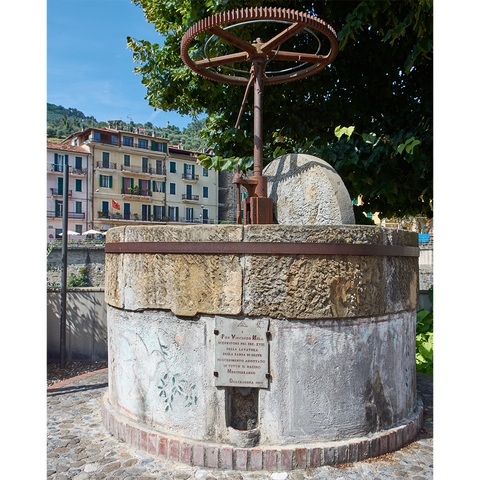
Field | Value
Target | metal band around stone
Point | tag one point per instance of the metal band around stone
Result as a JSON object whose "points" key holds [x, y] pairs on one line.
{"points": [[256, 248]]}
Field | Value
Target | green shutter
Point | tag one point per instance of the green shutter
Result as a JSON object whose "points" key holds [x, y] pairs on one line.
{"points": [[149, 184], [164, 147], [123, 184], [56, 158], [66, 160], [100, 177], [154, 186], [185, 168], [193, 170], [163, 187], [176, 213], [153, 145], [109, 181]]}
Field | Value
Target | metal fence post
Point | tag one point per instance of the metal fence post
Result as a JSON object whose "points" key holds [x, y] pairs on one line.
{"points": [[63, 319]]}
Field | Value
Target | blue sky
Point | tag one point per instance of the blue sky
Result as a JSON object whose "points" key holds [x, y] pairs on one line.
{"points": [[89, 66]]}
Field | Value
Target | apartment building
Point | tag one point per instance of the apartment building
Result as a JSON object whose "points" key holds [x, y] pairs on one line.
{"points": [[78, 159], [191, 190], [139, 179]]}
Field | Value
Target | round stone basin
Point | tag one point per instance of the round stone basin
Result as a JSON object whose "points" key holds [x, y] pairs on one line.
{"points": [[321, 366]]}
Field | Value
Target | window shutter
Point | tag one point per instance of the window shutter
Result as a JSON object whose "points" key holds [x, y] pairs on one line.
{"points": [[153, 145], [163, 211], [100, 176], [56, 158], [164, 147], [193, 169], [109, 181], [131, 183], [66, 159], [163, 187], [154, 186], [123, 184], [149, 184], [184, 168]]}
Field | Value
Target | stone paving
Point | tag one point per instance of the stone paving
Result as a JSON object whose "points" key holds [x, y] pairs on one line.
{"points": [[79, 446]]}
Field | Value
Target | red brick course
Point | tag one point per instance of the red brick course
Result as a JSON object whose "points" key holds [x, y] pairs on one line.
{"points": [[268, 458]]}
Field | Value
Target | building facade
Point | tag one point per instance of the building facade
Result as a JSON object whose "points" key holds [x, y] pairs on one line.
{"points": [[191, 190], [79, 161], [140, 179]]}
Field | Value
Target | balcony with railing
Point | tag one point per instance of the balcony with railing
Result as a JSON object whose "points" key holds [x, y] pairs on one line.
{"points": [[136, 192], [72, 171], [129, 216], [189, 177], [59, 192], [59, 214], [56, 168], [189, 198], [105, 165], [78, 171], [147, 170]]}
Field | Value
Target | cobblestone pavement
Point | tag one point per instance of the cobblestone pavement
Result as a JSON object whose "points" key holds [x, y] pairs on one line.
{"points": [[79, 447]]}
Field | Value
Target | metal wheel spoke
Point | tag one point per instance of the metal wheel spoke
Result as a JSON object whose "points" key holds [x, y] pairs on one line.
{"points": [[234, 40], [299, 57], [292, 30], [223, 60]]}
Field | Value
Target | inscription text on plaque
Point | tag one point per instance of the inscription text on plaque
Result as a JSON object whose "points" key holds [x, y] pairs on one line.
{"points": [[241, 353]]}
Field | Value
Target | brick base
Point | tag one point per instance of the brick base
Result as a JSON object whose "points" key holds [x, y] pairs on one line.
{"points": [[282, 457]]}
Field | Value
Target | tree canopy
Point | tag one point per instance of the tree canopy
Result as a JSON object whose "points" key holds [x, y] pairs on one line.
{"points": [[369, 114]]}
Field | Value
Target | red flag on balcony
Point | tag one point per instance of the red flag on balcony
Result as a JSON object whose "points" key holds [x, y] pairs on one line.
{"points": [[115, 205]]}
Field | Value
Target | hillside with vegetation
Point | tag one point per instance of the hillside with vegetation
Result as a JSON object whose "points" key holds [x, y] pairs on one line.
{"points": [[62, 122]]}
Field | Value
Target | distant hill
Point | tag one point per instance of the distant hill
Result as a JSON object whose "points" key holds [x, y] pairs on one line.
{"points": [[62, 122], [56, 112]]}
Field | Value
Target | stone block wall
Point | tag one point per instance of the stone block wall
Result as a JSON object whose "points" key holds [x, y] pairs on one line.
{"points": [[93, 258]]}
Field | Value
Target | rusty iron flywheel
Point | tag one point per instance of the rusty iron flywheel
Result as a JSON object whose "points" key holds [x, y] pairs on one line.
{"points": [[298, 21]]}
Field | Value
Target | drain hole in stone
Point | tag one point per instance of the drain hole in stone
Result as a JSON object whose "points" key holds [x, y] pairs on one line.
{"points": [[242, 408]]}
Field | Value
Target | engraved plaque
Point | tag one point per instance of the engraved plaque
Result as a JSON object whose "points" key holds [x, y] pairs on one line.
{"points": [[241, 352]]}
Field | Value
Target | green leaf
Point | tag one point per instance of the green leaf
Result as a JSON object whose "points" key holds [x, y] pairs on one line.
{"points": [[340, 131], [410, 147], [387, 36], [421, 315], [370, 138]]}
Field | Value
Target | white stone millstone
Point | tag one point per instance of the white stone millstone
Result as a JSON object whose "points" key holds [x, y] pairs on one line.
{"points": [[306, 190]]}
